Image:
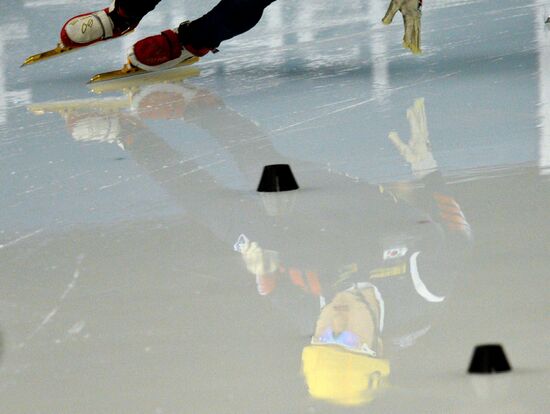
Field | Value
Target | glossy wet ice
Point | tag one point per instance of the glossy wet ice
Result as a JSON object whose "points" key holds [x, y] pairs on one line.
{"points": [[141, 271]]}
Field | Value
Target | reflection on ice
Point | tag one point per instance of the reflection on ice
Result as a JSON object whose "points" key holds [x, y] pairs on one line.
{"points": [[278, 204], [101, 119], [417, 151], [378, 40], [341, 377], [543, 41], [369, 290], [10, 32], [365, 288]]}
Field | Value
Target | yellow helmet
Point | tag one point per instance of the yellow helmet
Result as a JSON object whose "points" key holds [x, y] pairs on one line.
{"points": [[342, 377]]}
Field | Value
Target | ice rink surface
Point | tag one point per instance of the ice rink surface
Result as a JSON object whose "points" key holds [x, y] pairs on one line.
{"points": [[141, 272]]}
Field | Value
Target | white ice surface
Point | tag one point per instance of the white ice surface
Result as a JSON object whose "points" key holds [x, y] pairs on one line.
{"points": [[122, 288]]}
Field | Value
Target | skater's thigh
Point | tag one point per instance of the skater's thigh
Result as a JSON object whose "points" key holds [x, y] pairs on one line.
{"points": [[137, 7], [244, 5]]}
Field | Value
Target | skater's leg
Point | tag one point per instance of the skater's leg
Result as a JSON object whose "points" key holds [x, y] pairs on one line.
{"points": [[226, 20], [133, 10]]}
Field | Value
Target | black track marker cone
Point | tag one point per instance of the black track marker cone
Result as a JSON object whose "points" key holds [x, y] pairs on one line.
{"points": [[276, 178], [489, 359]]}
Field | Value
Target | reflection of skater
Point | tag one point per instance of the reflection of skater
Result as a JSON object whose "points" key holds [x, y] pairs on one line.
{"points": [[227, 19], [383, 296], [361, 295]]}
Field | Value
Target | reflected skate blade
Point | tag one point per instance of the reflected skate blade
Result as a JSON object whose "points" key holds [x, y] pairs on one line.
{"points": [[145, 78]]}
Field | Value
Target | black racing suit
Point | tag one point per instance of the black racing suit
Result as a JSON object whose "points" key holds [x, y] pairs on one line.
{"points": [[227, 19]]}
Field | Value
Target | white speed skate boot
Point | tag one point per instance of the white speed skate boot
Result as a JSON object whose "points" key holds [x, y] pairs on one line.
{"points": [[164, 51], [89, 28]]}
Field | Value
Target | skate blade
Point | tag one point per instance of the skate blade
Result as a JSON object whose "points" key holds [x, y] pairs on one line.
{"points": [[59, 49], [131, 83], [129, 70]]}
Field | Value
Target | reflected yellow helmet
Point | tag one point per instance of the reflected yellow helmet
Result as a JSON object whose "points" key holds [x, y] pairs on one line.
{"points": [[342, 377]]}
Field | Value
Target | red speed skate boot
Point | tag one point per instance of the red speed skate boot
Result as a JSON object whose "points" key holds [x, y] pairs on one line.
{"points": [[86, 29], [163, 51]]}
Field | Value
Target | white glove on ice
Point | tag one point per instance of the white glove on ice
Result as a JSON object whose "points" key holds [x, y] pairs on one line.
{"points": [[411, 11]]}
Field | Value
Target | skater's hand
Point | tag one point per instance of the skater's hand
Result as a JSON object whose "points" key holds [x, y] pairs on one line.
{"points": [[411, 11]]}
